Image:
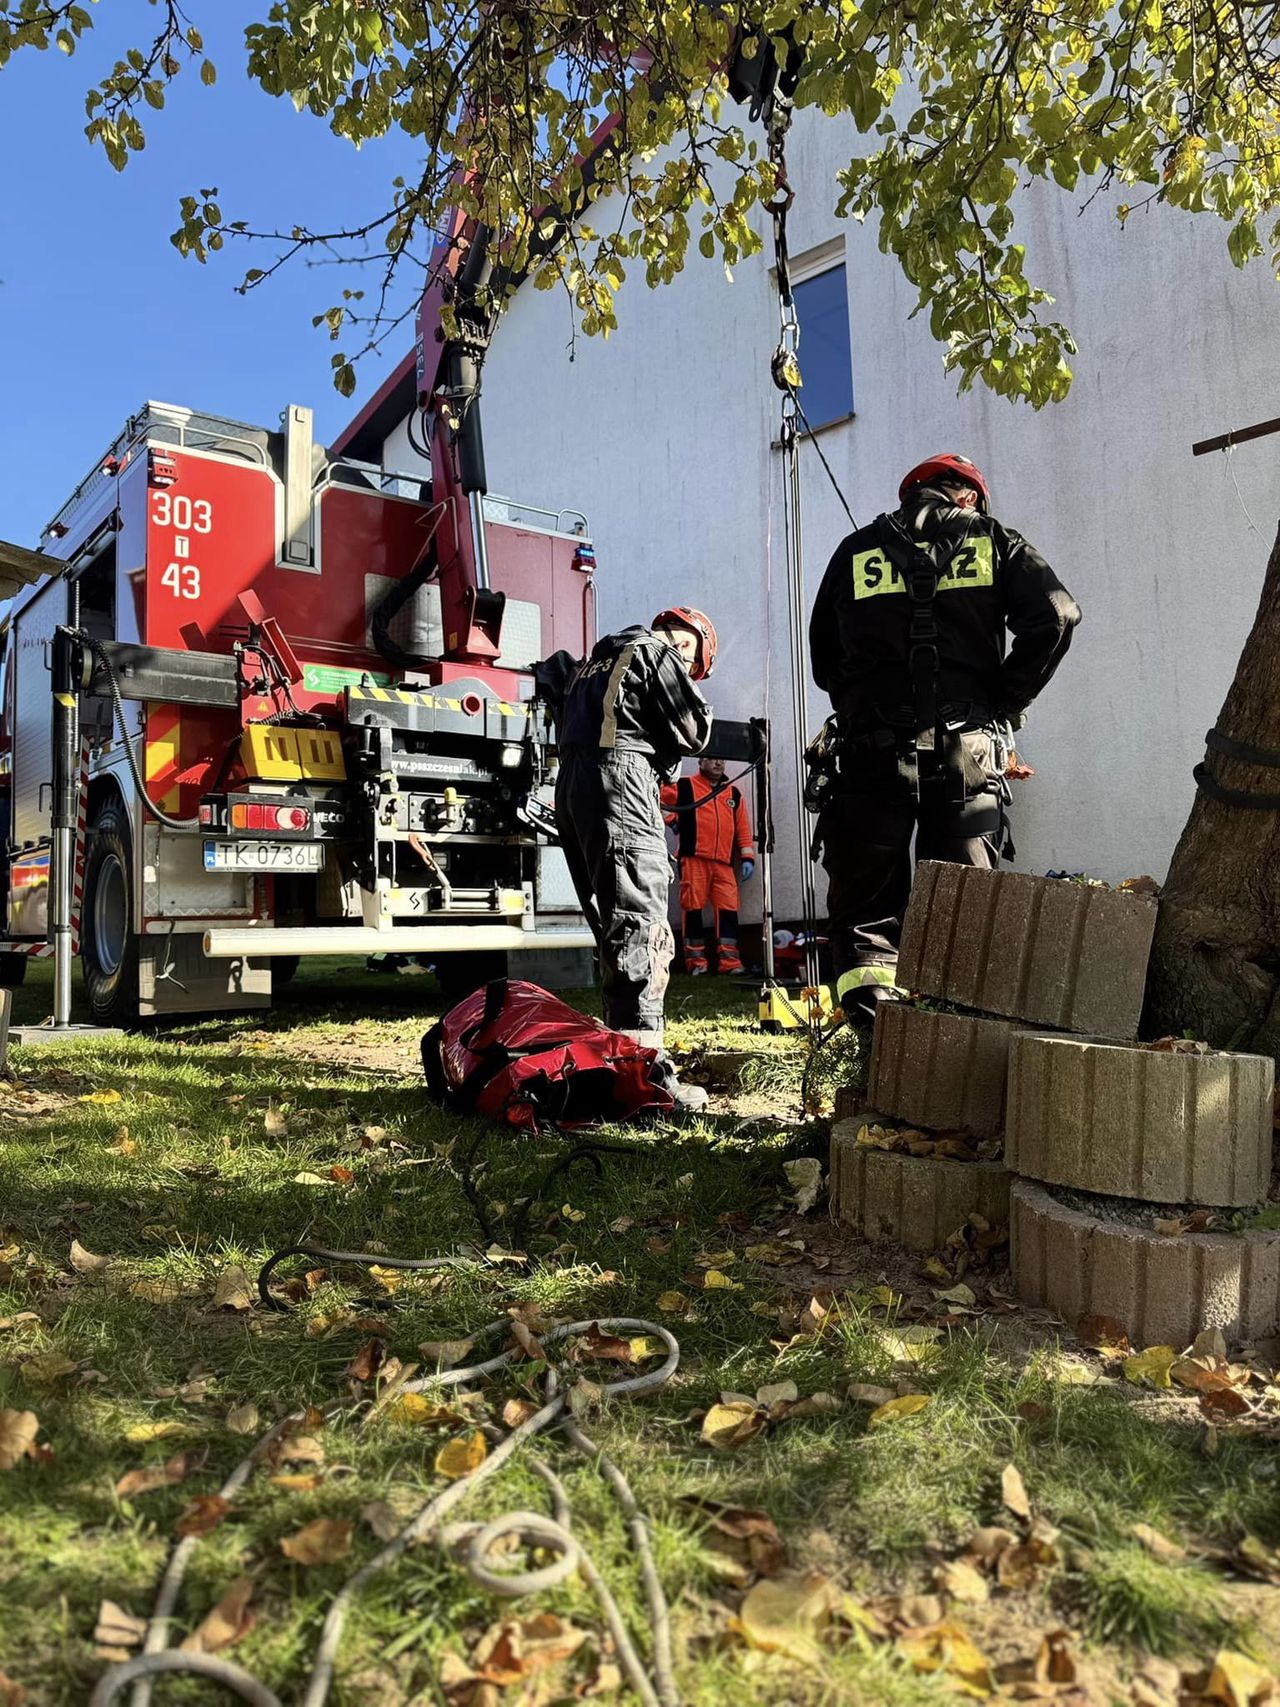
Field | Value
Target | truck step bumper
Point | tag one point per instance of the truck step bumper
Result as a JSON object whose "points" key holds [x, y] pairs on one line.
{"points": [[233, 941]]}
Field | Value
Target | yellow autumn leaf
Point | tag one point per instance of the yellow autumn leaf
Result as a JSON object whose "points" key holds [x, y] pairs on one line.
{"points": [[417, 1408], [883, 1295], [100, 1096], [672, 1303], [715, 1259], [785, 1616], [243, 1419], [1152, 1365], [461, 1455], [949, 1648], [733, 1424], [1239, 1682], [569, 1213], [156, 1430], [714, 1281], [387, 1278], [907, 1406]]}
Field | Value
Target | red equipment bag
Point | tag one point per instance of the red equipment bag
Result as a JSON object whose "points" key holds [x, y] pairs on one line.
{"points": [[516, 1053]]}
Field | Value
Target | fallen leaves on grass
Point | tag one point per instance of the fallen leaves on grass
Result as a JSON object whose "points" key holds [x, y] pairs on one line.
{"points": [[894, 1410], [117, 1633], [786, 1616], [461, 1455], [1236, 1681], [1158, 1545], [513, 1651], [867, 1393], [804, 1176], [234, 1290], [962, 1582], [46, 1368], [162, 1291], [423, 1412], [165, 1429], [321, 1542], [727, 1426], [243, 1419], [152, 1476], [225, 1623], [948, 1648], [1155, 1364], [84, 1262], [381, 1519], [446, 1354], [18, 1431], [274, 1123], [1013, 1492], [100, 1097], [740, 1544], [365, 1363], [203, 1514], [1103, 1334], [673, 1303]]}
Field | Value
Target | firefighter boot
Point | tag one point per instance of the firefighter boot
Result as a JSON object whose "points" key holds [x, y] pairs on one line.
{"points": [[695, 959], [689, 1099]]}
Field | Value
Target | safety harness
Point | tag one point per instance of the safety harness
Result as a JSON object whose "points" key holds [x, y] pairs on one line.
{"points": [[937, 748]]}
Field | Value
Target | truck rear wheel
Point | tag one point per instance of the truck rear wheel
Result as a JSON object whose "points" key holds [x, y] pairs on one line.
{"points": [[108, 940]]}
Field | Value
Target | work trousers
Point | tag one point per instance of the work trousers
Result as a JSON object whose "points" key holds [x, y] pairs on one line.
{"points": [[866, 833], [611, 830]]}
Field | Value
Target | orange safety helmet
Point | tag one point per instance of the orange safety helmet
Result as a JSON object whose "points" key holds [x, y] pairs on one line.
{"points": [[684, 616], [950, 465]]}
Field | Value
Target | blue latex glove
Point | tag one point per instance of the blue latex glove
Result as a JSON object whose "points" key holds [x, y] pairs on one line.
{"points": [[747, 869]]}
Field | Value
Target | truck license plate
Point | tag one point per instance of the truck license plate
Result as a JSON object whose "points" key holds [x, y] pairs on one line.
{"points": [[263, 856]]}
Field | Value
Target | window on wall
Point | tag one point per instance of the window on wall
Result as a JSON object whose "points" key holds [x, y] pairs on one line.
{"points": [[826, 361]]}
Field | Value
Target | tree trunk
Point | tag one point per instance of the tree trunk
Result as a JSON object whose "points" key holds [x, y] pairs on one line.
{"points": [[1215, 966]]}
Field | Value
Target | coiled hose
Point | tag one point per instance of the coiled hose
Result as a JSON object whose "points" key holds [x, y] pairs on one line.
{"points": [[552, 1532]]}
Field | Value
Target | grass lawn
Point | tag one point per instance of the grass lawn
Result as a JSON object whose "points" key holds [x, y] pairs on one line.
{"points": [[157, 1152]]}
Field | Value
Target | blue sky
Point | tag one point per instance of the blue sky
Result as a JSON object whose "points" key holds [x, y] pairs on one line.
{"points": [[100, 312]]}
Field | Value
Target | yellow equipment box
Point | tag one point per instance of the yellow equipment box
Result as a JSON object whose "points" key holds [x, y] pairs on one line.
{"points": [[276, 753], [791, 1010]]}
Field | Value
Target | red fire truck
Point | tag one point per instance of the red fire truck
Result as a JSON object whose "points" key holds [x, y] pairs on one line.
{"points": [[300, 691], [297, 737]]}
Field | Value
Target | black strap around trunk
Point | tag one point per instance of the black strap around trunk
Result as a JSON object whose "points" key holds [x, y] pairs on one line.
{"points": [[1264, 757]]}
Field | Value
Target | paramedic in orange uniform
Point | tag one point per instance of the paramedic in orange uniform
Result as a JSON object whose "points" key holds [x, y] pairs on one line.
{"points": [[715, 850]]}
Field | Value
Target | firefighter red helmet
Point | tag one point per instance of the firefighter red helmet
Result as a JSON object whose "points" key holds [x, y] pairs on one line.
{"points": [[684, 616], [949, 466]]}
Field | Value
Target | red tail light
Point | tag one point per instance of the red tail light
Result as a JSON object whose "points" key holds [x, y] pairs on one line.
{"points": [[247, 817]]}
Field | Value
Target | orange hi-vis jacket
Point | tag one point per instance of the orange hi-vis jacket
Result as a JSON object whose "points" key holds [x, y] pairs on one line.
{"points": [[720, 830]]}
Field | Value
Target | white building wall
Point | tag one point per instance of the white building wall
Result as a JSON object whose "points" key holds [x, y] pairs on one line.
{"points": [[663, 436]]}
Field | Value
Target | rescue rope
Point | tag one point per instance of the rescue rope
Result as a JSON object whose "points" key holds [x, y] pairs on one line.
{"points": [[785, 370], [533, 1528]]}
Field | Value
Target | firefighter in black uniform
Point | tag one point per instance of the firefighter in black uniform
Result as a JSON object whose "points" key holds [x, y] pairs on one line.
{"points": [[630, 715], [908, 639]]}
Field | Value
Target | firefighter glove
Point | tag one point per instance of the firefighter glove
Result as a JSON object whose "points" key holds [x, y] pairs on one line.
{"points": [[747, 868]]}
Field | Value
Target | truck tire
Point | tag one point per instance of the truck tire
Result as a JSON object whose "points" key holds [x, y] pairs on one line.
{"points": [[459, 974], [108, 941], [13, 970]]}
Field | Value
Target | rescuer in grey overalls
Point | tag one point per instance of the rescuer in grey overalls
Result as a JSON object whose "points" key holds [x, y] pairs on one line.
{"points": [[631, 714]]}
